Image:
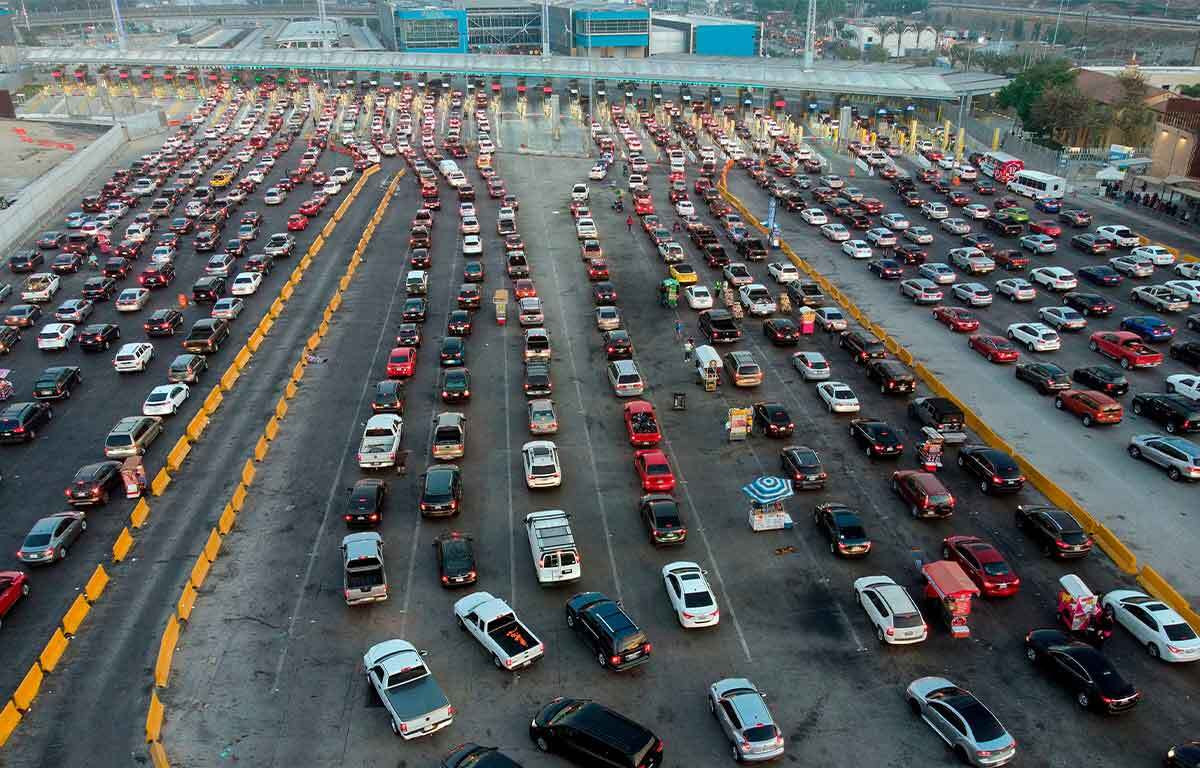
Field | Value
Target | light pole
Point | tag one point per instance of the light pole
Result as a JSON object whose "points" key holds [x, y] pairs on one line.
{"points": [[1057, 21]]}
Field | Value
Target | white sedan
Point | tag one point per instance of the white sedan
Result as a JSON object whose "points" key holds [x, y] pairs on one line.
{"points": [[472, 245], [246, 284], [55, 336], [585, 228], [975, 294], [918, 235], [1155, 625], [835, 232], [691, 597], [1054, 278], [685, 208], [814, 216], [698, 297], [469, 225], [977, 211], [1037, 337], [331, 188], [1186, 384], [935, 211], [956, 226], [274, 196], [598, 172], [1190, 270], [542, 468], [897, 222], [1062, 318], [881, 237], [165, 400], [812, 366], [857, 249], [838, 397], [1155, 253], [783, 272]]}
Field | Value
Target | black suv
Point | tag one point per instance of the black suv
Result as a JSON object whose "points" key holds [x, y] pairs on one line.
{"points": [[389, 397], [368, 499], [441, 491], [537, 379], [1175, 412], [892, 375], [208, 289], [603, 624], [581, 726], [95, 483], [455, 553], [1055, 531], [19, 422], [163, 322], [56, 382], [98, 337], [475, 756], [864, 346], [996, 470]]}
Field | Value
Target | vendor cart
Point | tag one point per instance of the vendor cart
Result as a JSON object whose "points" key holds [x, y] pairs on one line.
{"points": [[6, 387], [500, 299], [133, 476], [785, 303], [668, 293], [1080, 612], [948, 586], [808, 321], [712, 376], [766, 495], [929, 451]]}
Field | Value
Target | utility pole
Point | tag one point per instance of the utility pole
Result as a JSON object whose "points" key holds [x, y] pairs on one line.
{"points": [[320, 17], [1057, 21], [545, 28], [119, 27], [810, 27]]}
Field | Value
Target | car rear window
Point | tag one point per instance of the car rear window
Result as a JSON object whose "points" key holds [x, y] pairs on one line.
{"points": [[760, 733], [907, 620], [37, 540], [628, 378], [118, 440], [996, 569]]}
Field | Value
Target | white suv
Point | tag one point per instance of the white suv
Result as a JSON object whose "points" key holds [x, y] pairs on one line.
{"points": [[891, 609]]}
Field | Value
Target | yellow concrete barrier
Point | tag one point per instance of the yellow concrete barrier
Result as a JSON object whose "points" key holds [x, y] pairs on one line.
{"points": [[213, 401], [154, 718], [160, 482], [327, 315], [158, 755], [274, 310], [121, 547], [1156, 585], [166, 652], [344, 283], [335, 302], [177, 454], [141, 511], [329, 227], [314, 341], [306, 262], [317, 244], [261, 448], [286, 291], [248, 473], [242, 358], [298, 371], [196, 426], [281, 408], [10, 718], [212, 547], [27, 691], [52, 653], [297, 274], [272, 427], [96, 584], [322, 329], [227, 520], [1122, 555], [187, 602], [230, 377], [199, 572], [238, 500], [75, 615]]}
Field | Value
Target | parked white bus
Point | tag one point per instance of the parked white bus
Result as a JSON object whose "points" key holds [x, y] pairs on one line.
{"points": [[1037, 185]]}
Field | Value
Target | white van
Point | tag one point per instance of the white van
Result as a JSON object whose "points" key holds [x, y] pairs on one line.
{"points": [[677, 159], [555, 557], [447, 167], [416, 282], [706, 359]]}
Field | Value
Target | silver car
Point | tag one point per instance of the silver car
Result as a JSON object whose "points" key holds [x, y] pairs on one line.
{"points": [[542, 418], [742, 712], [48, 540], [962, 721], [1178, 456], [608, 318]]}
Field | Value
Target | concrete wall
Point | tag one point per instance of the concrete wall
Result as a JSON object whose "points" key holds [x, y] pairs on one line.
{"points": [[46, 196], [1172, 151]]}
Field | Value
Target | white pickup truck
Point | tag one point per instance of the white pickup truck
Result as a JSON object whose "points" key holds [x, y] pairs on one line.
{"points": [[40, 287], [503, 637], [380, 442], [415, 704]]}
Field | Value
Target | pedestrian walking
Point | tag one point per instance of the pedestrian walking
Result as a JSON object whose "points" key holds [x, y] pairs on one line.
{"points": [[689, 347], [629, 223], [676, 226], [678, 331]]}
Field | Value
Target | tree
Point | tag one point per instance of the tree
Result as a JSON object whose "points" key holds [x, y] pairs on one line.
{"points": [[1131, 117], [1059, 112], [1027, 87], [876, 53], [1190, 90]]}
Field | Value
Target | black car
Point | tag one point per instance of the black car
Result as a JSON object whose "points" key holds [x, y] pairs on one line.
{"points": [[602, 623], [163, 322], [1100, 274], [537, 380], [441, 491], [1081, 669], [206, 241], [1185, 755], [1003, 226], [1186, 352], [715, 255], [876, 437], [9, 336], [1101, 378], [453, 352], [886, 269], [1088, 303], [660, 515], [455, 554], [208, 289], [1090, 242], [909, 253], [367, 502], [604, 294], [892, 375], [56, 382], [843, 529], [419, 258], [803, 466], [1046, 377], [98, 288], [67, 263], [117, 267], [414, 310], [862, 345], [19, 422], [583, 727], [260, 262], [995, 469], [1055, 531], [468, 296], [618, 345], [781, 331], [1075, 217], [50, 241], [458, 322], [1175, 412], [235, 248], [95, 484], [98, 337], [456, 385], [408, 335], [772, 420], [389, 397], [25, 261]]}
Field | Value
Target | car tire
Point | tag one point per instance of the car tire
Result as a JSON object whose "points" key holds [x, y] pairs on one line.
{"points": [[1125, 364], [602, 660], [1174, 474], [1058, 403], [1087, 420], [62, 554], [1083, 700], [497, 663], [1031, 654], [984, 487], [570, 620], [1136, 453], [461, 624], [880, 636], [1093, 346], [1153, 651], [737, 755], [1171, 428], [868, 452]]}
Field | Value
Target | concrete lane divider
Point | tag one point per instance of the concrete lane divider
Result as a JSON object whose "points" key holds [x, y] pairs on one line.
{"points": [[272, 428], [227, 520], [121, 547], [72, 620], [154, 718], [160, 482], [10, 718], [212, 401], [56, 646], [196, 426], [187, 602], [1162, 589], [230, 377], [166, 652], [178, 453], [96, 584], [242, 358], [141, 511], [29, 688], [248, 472]]}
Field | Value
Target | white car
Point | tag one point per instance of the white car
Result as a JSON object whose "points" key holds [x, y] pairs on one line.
{"points": [[469, 225], [246, 283], [472, 245], [1054, 278], [783, 272], [579, 193], [132, 299], [737, 274], [977, 211], [1016, 289], [685, 208], [967, 172], [757, 300], [331, 188], [892, 611], [938, 272], [466, 209], [1186, 384], [1156, 626], [921, 290], [1039, 244], [857, 249], [972, 261], [1159, 255], [831, 319], [698, 297], [881, 237], [1037, 337], [74, 311], [833, 181], [814, 216], [945, 163], [40, 287], [1133, 266], [133, 357], [598, 172], [692, 599], [935, 211], [585, 228], [812, 366], [974, 294], [228, 308], [164, 400], [163, 254], [835, 232], [542, 468], [918, 235], [838, 397], [274, 196], [219, 264], [380, 441], [1062, 318], [1185, 289], [55, 336], [342, 174], [137, 232], [897, 222], [956, 226], [608, 318], [1190, 270], [1119, 234]]}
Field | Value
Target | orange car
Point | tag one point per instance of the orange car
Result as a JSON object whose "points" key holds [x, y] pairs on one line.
{"points": [[1090, 406]]}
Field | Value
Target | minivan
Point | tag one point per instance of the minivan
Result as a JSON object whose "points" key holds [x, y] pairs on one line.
{"points": [[742, 369], [416, 283], [132, 436], [625, 379]]}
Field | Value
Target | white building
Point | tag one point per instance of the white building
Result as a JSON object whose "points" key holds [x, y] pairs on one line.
{"points": [[912, 38]]}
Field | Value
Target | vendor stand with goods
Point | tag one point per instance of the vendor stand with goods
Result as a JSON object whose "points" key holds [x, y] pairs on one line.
{"points": [[948, 585], [766, 496]]}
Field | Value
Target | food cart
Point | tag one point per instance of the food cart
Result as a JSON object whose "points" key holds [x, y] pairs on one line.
{"points": [[500, 299], [808, 321], [133, 476], [947, 585], [6, 387], [929, 452], [668, 293], [1080, 612], [766, 495]]}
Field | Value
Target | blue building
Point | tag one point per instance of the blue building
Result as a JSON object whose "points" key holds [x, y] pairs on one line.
{"points": [[599, 29], [423, 30], [704, 36]]}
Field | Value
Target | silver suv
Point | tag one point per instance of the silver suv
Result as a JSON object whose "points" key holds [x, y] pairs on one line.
{"points": [[743, 715]]}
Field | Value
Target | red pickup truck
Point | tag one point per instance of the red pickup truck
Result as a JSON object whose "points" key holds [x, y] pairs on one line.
{"points": [[1126, 348], [642, 424]]}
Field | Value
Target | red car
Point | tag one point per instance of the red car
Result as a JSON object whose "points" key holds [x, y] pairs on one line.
{"points": [[957, 198], [598, 269], [1090, 406], [983, 564], [310, 207], [1047, 228], [1006, 202], [642, 424], [888, 172], [996, 349], [924, 493], [643, 206], [318, 178], [297, 222], [653, 470], [956, 319], [524, 289], [1011, 259], [13, 586], [1126, 348], [402, 362], [871, 205]]}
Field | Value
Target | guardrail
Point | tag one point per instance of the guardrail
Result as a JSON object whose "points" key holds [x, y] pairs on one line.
{"points": [[1121, 555]]}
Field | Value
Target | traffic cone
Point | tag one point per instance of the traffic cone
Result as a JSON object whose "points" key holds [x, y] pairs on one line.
{"points": [[852, 171]]}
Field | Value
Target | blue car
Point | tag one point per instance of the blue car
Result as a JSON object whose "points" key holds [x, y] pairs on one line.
{"points": [[75, 219], [1100, 274], [1148, 328], [1048, 205]]}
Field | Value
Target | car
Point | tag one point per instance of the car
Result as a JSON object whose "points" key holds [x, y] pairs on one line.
{"points": [[876, 437], [741, 711], [881, 237], [958, 320], [1159, 297], [68, 263], [1062, 318], [690, 595], [772, 420], [23, 315], [984, 187], [783, 272], [1102, 378], [835, 232], [97, 337], [608, 631], [95, 484], [891, 610], [972, 260], [1154, 625], [812, 366], [165, 400], [938, 272], [895, 222], [401, 362], [1178, 456], [388, 397], [50, 538], [1037, 337], [74, 311], [1176, 412], [814, 216], [55, 336], [607, 318], [1126, 348], [413, 310], [977, 211], [955, 226], [653, 471], [1054, 278], [246, 283], [25, 261], [456, 385], [1016, 289], [921, 291], [1045, 377], [1186, 384], [983, 564], [575, 725], [1132, 266], [974, 294], [857, 249], [279, 245], [542, 467], [935, 211], [1119, 234], [1054, 530], [604, 293], [1088, 303], [698, 297], [886, 269], [472, 245], [228, 308], [1185, 289], [831, 319], [1092, 407], [1082, 669], [918, 235], [1148, 328], [892, 375], [843, 530], [975, 735], [1159, 255], [996, 471], [441, 491]]}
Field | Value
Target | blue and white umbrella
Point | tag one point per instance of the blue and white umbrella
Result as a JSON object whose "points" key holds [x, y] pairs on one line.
{"points": [[768, 489]]}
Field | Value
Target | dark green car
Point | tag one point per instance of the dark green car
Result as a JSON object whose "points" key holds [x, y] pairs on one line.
{"points": [[456, 385], [56, 382]]}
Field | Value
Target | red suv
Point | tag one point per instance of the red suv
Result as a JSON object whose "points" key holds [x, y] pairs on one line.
{"points": [[925, 494]]}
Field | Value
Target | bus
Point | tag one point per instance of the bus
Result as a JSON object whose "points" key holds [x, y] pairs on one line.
{"points": [[1000, 165], [1037, 185]]}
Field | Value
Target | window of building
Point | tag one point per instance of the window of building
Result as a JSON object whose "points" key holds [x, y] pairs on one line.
{"points": [[428, 33], [586, 26]]}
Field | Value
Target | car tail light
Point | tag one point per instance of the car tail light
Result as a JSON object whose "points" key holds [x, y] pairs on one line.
{"points": [[889, 632], [403, 727], [687, 615]]}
